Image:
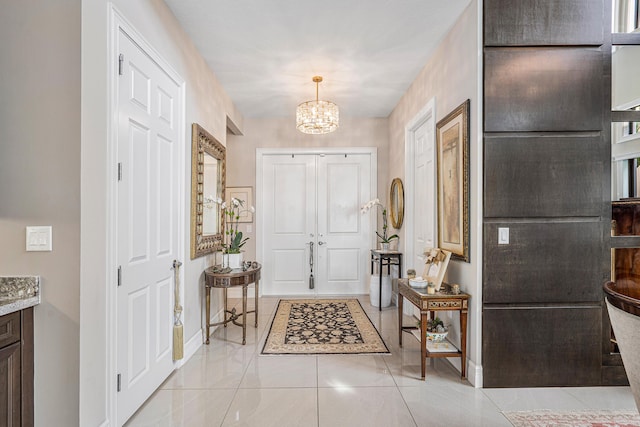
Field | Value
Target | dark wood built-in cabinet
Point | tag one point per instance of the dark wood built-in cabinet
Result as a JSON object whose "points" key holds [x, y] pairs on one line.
{"points": [[16, 368], [547, 174]]}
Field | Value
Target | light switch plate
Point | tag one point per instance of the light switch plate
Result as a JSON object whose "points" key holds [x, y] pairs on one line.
{"points": [[503, 235], [39, 238]]}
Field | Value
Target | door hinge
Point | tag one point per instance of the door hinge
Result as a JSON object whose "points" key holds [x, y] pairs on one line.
{"points": [[119, 275], [118, 385], [120, 171], [120, 64]]}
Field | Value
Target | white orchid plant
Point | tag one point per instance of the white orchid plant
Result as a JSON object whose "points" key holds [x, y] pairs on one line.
{"points": [[367, 207], [231, 213]]}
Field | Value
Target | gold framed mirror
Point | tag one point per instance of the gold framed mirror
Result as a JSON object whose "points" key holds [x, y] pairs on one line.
{"points": [[396, 203], [208, 174]]}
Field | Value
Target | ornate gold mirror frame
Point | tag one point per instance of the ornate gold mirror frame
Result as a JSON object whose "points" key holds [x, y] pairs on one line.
{"points": [[396, 205], [206, 150]]}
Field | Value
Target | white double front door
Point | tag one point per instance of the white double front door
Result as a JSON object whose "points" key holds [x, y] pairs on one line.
{"points": [[312, 224]]}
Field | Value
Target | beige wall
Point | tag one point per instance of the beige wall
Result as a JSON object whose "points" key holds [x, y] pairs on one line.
{"points": [[282, 133], [40, 184], [451, 76], [206, 104]]}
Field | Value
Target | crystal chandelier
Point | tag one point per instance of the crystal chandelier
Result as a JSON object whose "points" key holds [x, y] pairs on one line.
{"points": [[317, 117]]}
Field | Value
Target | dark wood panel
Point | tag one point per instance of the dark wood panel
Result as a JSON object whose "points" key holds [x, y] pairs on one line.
{"points": [[614, 375], [544, 262], [544, 176], [543, 22], [625, 242], [9, 329], [541, 347], [625, 116], [543, 89], [10, 393], [622, 39]]}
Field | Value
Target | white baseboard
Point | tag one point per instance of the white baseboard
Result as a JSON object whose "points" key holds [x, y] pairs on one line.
{"points": [[191, 346], [474, 374], [195, 342]]}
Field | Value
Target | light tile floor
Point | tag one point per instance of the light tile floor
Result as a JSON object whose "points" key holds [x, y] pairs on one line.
{"points": [[228, 384]]}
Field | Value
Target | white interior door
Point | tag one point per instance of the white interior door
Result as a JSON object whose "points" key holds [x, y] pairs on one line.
{"points": [[424, 208], [343, 255], [148, 202], [315, 198]]}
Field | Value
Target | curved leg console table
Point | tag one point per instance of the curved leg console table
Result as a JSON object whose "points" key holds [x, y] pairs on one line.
{"points": [[235, 277]]}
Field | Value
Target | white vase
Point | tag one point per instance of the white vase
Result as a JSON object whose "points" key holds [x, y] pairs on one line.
{"points": [[374, 291], [234, 260]]}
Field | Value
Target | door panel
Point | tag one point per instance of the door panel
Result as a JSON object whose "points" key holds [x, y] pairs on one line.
{"points": [[291, 183], [148, 204], [343, 187], [289, 222], [137, 208], [164, 330], [343, 264], [164, 190], [342, 198], [139, 334]]}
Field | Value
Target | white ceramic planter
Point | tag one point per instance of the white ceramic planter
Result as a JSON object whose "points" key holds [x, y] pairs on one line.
{"points": [[234, 260], [374, 290]]}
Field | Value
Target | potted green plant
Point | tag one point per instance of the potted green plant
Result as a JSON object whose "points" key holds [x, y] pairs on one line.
{"points": [[385, 241], [234, 239], [436, 331]]}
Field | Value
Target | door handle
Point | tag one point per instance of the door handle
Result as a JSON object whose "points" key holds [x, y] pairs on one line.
{"points": [[322, 243]]}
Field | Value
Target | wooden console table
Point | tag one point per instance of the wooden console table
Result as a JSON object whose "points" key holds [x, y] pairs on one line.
{"points": [[385, 259], [443, 300], [235, 277]]}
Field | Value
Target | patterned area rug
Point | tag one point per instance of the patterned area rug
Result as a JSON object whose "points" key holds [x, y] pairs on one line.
{"points": [[322, 326], [574, 419]]}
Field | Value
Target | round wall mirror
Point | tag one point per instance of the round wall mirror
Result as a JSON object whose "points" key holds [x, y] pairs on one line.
{"points": [[396, 198]]}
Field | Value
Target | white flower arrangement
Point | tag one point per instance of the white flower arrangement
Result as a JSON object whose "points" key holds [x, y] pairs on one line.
{"points": [[234, 238], [367, 207]]}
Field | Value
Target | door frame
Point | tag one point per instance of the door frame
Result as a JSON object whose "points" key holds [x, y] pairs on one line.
{"points": [[118, 22], [427, 112], [262, 152]]}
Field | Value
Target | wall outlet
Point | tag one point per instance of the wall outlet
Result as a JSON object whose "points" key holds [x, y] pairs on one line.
{"points": [[39, 238]]}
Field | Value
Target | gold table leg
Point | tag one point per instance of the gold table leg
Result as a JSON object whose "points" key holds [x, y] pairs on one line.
{"points": [[226, 307], [244, 315], [207, 291], [423, 342], [256, 301]]}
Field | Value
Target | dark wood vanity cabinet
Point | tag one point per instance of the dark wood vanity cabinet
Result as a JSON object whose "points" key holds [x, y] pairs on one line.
{"points": [[16, 368]]}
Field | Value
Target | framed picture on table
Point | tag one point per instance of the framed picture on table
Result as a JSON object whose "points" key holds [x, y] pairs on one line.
{"points": [[436, 261], [452, 135]]}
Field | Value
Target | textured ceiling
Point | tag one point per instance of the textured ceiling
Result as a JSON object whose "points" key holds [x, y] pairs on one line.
{"points": [[265, 52]]}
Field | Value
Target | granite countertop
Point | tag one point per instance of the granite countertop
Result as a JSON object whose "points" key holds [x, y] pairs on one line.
{"points": [[18, 293]]}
